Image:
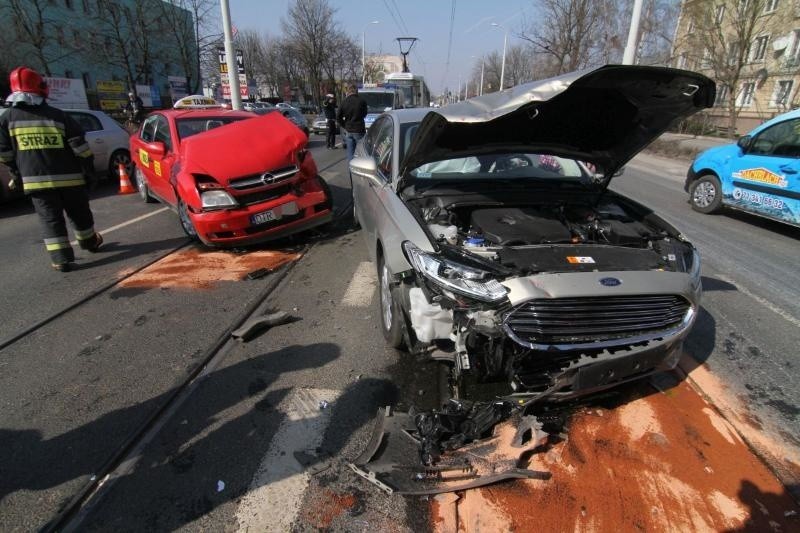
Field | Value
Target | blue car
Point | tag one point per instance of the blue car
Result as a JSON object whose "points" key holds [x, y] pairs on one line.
{"points": [[759, 174]]}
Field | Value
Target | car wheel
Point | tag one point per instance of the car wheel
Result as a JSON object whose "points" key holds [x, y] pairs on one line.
{"points": [[120, 156], [186, 222], [705, 194], [141, 184], [391, 317]]}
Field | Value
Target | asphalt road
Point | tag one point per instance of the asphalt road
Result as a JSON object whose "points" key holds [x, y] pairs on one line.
{"points": [[76, 389]]}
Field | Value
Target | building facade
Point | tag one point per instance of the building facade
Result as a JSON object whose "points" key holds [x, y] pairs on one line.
{"points": [[750, 48], [135, 42]]}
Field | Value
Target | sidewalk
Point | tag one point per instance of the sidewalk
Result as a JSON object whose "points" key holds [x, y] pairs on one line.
{"points": [[684, 146]]}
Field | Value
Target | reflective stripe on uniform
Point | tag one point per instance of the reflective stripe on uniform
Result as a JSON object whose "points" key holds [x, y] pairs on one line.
{"points": [[56, 243], [21, 124], [35, 183], [84, 234], [81, 149]]}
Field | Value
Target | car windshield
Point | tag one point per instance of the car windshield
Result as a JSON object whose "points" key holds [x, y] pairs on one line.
{"points": [[192, 126], [377, 102]]}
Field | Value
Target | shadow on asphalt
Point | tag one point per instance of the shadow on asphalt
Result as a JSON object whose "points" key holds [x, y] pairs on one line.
{"points": [[774, 226], [122, 252]]}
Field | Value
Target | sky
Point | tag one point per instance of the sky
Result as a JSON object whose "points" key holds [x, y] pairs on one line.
{"points": [[428, 20]]}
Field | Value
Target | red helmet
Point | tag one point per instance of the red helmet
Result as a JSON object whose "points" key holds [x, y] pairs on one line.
{"points": [[28, 80]]}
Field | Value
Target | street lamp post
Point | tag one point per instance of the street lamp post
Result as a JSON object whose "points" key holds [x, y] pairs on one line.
{"points": [[363, 51], [479, 91], [230, 56], [629, 57], [505, 42]]}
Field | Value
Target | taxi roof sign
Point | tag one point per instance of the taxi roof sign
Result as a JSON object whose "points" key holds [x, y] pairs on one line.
{"points": [[196, 101]]}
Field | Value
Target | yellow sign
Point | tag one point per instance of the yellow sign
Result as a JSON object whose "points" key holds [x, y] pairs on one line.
{"points": [[110, 87], [144, 157], [762, 175], [157, 167]]}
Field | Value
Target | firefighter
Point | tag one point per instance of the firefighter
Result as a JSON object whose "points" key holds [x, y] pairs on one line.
{"points": [[49, 158]]}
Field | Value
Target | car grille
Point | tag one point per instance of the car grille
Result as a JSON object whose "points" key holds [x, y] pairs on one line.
{"points": [[272, 177], [564, 321], [262, 196]]}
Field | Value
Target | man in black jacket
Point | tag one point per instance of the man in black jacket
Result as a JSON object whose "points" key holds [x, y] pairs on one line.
{"points": [[351, 119], [329, 107], [48, 157]]}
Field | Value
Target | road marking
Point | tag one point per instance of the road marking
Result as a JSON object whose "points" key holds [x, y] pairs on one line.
{"points": [[763, 301], [362, 286], [276, 490], [128, 223]]}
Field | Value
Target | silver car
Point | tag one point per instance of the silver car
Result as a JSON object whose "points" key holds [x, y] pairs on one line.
{"points": [[500, 249]]}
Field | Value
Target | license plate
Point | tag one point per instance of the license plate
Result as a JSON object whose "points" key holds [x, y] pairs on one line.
{"points": [[273, 214]]}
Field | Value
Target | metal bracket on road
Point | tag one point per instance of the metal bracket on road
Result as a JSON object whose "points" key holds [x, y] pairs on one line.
{"points": [[391, 460]]}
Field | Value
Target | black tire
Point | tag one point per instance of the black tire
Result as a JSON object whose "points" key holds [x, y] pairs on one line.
{"points": [[141, 184], [119, 156], [392, 324], [186, 222], [705, 194]]}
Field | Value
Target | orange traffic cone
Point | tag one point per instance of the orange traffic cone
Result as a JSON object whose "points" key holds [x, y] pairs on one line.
{"points": [[125, 186]]}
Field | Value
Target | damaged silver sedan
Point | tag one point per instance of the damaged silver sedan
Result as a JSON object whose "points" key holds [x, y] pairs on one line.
{"points": [[501, 251]]}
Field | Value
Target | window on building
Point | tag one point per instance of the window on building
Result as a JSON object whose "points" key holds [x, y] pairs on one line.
{"points": [[690, 29], [60, 36], [794, 51], [719, 13], [67, 73], [87, 79], [85, 6], [682, 62], [68, 3], [781, 94], [705, 62], [759, 49], [742, 6], [733, 53], [721, 99], [770, 6], [76, 37], [745, 98]]}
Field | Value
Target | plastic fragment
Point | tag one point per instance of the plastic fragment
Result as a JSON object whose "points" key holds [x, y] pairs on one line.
{"points": [[220, 486], [252, 326], [323, 404], [256, 274]]}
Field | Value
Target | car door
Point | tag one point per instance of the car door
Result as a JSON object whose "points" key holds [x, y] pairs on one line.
{"points": [[93, 132], [765, 179], [161, 165], [377, 145]]}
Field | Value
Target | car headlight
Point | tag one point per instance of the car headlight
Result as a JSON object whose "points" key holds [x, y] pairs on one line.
{"points": [[453, 276], [217, 199]]}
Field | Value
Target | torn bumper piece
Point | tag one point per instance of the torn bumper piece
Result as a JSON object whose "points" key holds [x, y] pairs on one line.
{"points": [[392, 462]]}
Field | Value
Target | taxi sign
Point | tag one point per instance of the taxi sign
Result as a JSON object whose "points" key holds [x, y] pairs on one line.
{"points": [[196, 101]]}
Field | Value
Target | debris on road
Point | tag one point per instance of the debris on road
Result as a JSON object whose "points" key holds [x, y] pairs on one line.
{"points": [[391, 460], [256, 274], [254, 325], [220, 486], [323, 404]]}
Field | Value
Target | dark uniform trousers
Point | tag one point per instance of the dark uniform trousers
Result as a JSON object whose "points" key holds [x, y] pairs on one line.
{"points": [[50, 205]]}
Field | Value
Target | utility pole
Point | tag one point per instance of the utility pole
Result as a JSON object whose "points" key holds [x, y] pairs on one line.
{"points": [[363, 51], [629, 57], [505, 43], [230, 57]]}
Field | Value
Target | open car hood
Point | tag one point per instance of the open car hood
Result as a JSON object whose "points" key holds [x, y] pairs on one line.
{"points": [[242, 148], [604, 116]]}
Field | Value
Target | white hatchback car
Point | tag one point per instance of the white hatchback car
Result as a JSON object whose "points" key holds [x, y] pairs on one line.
{"points": [[107, 139]]}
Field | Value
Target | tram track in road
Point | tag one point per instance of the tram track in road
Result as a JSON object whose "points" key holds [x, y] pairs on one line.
{"points": [[125, 458], [86, 299]]}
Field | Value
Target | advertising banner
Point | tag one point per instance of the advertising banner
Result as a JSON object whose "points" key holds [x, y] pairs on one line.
{"points": [[177, 87], [155, 96], [223, 65], [67, 93], [226, 87], [144, 92], [112, 95]]}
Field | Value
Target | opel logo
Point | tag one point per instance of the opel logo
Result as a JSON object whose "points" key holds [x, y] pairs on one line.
{"points": [[267, 178], [610, 282]]}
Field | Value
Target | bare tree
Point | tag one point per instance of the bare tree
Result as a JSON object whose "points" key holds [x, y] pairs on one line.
{"points": [[309, 28], [656, 32], [115, 26], [191, 26], [723, 41], [35, 35], [571, 32]]}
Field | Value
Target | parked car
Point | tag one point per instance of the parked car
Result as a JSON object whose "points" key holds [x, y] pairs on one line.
{"points": [[107, 139], [501, 250], [759, 174], [233, 177], [296, 117], [320, 125], [257, 106]]}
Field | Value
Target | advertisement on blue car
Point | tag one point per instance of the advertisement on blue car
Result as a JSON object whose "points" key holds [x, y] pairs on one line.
{"points": [[759, 174]]}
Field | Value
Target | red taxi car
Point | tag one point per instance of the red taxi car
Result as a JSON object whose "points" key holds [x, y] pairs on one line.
{"points": [[233, 177]]}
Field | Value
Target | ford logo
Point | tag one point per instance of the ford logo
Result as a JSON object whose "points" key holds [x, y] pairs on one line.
{"points": [[610, 282]]}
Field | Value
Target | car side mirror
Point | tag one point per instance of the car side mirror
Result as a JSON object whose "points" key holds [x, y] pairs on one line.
{"points": [[156, 148], [744, 143], [365, 167]]}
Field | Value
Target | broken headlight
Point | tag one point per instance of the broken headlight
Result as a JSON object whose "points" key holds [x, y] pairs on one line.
{"points": [[449, 275]]}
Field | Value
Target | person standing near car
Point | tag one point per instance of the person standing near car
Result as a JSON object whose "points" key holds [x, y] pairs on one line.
{"points": [[134, 108], [47, 155], [329, 108], [351, 119]]}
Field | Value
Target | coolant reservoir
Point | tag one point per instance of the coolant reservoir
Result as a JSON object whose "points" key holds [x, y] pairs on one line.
{"points": [[448, 233]]}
